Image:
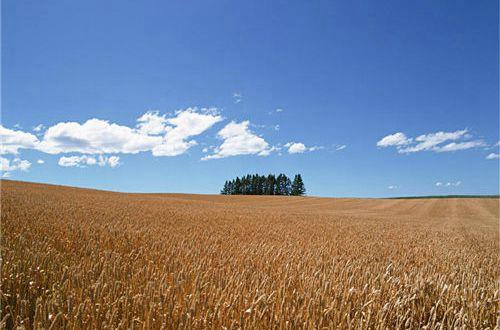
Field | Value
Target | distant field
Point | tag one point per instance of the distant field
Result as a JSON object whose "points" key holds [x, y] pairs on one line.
{"points": [[446, 196], [82, 258]]}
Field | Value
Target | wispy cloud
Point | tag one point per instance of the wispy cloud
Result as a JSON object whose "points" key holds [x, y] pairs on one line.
{"points": [[448, 184], [493, 156], [237, 97], [340, 147], [437, 142], [39, 128], [277, 110]]}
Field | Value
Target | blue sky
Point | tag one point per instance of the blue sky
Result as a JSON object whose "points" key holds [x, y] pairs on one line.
{"points": [[366, 99]]}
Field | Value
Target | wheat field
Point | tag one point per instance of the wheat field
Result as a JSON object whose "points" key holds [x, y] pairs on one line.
{"points": [[77, 258]]}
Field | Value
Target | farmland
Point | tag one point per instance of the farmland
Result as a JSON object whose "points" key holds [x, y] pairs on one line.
{"points": [[81, 258]]}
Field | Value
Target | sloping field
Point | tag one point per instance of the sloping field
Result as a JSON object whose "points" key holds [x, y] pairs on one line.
{"points": [[82, 258]]}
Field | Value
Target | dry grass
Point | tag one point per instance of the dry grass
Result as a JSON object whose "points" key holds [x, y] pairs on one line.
{"points": [[80, 258]]}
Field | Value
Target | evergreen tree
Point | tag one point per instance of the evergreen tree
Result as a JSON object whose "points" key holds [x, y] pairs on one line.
{"points": [[255, 184], [298, 188], [237, 186], [271, 184], [287, 186], [225, 190]]}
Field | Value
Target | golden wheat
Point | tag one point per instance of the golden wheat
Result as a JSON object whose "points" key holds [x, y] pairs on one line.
{"points": [[77, 258]]}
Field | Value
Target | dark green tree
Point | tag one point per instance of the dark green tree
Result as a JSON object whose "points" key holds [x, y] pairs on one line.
{"points": [[225, 190], [298, 188], [255, 184], [237, 186]]}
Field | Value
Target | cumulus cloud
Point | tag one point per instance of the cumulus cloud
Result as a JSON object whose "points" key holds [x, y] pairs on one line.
{"points": [[185, 124], [11, 141], [77, 161], [86, 160], [152, 123], [7, 166], [296, 147], [95, 136], [154, 132], [299, 147], [437, 142], [238, 139], [40, 161], [160, 134], [493, 156]]}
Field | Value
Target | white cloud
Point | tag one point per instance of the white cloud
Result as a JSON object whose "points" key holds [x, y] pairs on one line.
{"points": [[17, 164], [278, 110], [152, 123], [39, 128], [86, 160], [437, 142], [299, 147], [77, 161], [11, 141], [40, 161], [460, 146], [97, 136], [396, 139], [392, 187], [493, 156], [296, 147], [237, 97], [432, 140], [340, 147], [186, 124], [239, 140], [448, 184], [276, 127], [112, 161]]}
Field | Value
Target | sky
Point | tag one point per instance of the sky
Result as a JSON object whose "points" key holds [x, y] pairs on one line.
{"points": [[363, 98]]}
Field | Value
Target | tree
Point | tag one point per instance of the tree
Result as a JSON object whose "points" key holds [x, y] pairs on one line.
{"points": [[237, 186], [225, 190], [298, 188], [271, 185], [255, 184]]}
